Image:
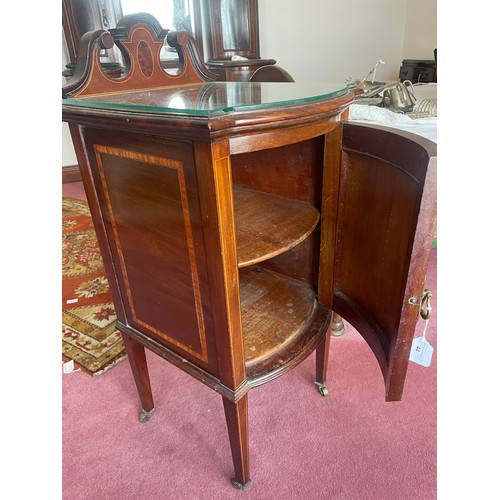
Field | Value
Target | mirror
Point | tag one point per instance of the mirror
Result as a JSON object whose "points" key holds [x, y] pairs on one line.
{"points": [[172, 15], [222, 29], [235, 29], [80, 16]]}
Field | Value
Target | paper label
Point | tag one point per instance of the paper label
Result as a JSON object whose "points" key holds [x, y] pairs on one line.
{"points": [[69, 366], [421, 352]]}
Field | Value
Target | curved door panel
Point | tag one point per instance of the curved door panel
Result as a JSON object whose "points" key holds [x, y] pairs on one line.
{"points": [[383, 236]]}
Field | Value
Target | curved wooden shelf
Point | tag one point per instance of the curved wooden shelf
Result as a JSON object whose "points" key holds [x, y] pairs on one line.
{"points": [[282, 322], [268, 225]]}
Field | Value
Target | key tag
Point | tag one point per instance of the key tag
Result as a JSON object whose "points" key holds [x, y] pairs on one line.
{"points": [[69, 367], [421, 350]]}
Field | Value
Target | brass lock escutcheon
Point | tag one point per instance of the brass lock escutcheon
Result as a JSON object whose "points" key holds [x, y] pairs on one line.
{"points": [[425, 303]]}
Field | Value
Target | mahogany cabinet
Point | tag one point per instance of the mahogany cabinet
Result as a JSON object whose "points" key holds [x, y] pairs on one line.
{"points": [[235, 219]]}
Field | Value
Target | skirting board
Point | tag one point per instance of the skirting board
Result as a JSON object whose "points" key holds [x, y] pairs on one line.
{"points": [[71, 173]]}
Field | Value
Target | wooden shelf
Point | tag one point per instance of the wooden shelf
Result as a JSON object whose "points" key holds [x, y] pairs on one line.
{"points": [[282, 322], [268, 225]]}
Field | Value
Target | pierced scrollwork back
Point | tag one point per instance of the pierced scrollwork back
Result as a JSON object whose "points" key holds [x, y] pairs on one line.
{"points": [[140, 38]]}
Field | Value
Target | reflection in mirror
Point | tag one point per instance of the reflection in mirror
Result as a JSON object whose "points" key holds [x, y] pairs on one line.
{"points": [[235, 29], [172, 15]]}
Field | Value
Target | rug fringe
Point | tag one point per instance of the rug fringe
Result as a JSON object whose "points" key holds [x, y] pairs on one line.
{"points": [[107, 367], [85, 370]]}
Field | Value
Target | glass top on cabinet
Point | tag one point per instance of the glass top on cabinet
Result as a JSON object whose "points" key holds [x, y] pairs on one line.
{"points": [[205, 99]]}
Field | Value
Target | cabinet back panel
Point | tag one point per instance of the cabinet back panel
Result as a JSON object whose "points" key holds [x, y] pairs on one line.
{"points": [[294, 171], [301, 262]]}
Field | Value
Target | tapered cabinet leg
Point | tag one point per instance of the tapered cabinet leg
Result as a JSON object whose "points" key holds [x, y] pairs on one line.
{"points": [[322, 354], [137, 358], [237, 426]]}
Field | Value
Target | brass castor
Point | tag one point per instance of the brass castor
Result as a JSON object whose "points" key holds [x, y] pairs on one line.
{"points": [[337, 328], [146, 415], [322, 389]]}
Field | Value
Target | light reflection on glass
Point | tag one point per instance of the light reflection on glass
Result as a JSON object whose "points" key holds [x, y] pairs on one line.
{"points": [[203, 99], [177, 102]]}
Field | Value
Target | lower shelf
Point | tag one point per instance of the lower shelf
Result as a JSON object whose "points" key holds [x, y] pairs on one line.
{"points": [[282, 322]]}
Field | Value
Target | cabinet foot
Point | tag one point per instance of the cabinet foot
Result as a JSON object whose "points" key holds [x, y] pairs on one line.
{"points": [[146, 415], [323, 390], [338, 328], [238, 485]]}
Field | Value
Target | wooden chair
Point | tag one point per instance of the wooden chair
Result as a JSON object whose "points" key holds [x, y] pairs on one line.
{"points": [[271, 73]]}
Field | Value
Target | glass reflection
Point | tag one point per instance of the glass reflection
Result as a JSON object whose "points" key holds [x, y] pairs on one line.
{"points": [[178, 102], [172, 15], [212, 98], [235, 29]]}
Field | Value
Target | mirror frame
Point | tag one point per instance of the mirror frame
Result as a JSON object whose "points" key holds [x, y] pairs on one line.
{"points": [[213, 22], [80, 16]]}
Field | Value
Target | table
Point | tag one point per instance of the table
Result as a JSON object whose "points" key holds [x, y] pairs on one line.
{"points": [[418, 70], [236, 219], [424, 126]]}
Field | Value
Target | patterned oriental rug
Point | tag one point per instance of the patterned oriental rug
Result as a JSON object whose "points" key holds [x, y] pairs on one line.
{"points": [[89, 334]]}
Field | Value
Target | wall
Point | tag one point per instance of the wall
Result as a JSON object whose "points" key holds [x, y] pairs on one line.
{"points": [[421, 30], [68, 152], [331, 40]]}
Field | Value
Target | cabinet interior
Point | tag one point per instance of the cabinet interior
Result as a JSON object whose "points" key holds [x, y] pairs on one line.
{"points": [[277, 201]]}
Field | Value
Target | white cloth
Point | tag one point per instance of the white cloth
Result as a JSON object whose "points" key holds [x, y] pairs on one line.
{"points": [[425, 127]]}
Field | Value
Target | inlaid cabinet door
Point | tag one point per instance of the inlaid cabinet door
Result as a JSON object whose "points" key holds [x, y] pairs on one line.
{"points": [[384, 193]]}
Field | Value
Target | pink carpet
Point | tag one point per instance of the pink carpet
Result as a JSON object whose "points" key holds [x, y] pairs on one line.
{"points": [[351, 445]]}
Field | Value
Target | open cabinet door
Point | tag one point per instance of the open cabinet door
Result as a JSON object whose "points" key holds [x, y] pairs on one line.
{"points": [[386, 215]]}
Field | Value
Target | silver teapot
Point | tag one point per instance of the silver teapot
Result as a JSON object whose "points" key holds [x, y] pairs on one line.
{"points": [[400, 97]]}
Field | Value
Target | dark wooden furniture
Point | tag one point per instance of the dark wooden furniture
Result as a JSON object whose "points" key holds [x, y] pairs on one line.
{"points": [[271, 74], [233, 28], [81, 16], [418, 70], [222, 29], [234, 218], [227, 70]]}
